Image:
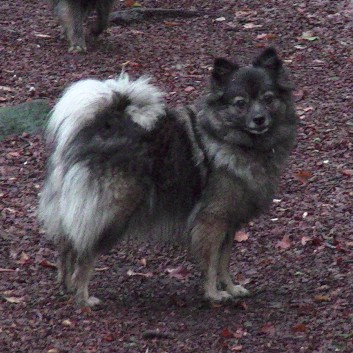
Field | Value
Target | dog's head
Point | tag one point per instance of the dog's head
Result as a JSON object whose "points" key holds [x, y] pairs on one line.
{"points": [[249, 102]]}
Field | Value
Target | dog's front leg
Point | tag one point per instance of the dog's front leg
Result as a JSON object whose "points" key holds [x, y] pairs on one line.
{"points": [[224, 275], [208, 234]]}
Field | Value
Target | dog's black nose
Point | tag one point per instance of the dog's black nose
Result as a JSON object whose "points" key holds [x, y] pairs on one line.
{"points": [[259, 120]]}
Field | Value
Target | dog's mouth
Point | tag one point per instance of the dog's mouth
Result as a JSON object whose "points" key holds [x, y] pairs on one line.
{"points": [[258, 131]]}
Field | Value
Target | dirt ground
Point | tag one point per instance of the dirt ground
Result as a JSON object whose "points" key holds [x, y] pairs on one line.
{"points": [[297, 259]]}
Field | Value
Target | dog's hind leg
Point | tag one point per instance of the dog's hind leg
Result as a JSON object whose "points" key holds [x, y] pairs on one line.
{"points": [[71, 16], [103, 9], [66, 264], [82, 274], [223, 270]]}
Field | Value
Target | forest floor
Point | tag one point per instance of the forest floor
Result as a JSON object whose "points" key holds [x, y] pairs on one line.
{"points": [[297, 259]]}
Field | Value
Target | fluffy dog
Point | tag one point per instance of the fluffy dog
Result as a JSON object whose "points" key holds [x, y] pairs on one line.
{"points": [[72, 14], [124, 165]]}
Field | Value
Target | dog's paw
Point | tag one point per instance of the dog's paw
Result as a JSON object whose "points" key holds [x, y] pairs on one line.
{"points": [[237, 291], [77, 49], [218, 296], [88, 302]]}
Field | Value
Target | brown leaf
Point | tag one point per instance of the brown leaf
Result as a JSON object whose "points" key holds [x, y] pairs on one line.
{"points": [[299, 328], [48, 264], [266, 36], [303, 176], [109, 338], [241, 236], [284, 243], [24, 259], [321, 298]]}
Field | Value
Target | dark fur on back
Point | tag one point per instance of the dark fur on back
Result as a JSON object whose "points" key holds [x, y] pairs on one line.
{"points": [[124, 166]]}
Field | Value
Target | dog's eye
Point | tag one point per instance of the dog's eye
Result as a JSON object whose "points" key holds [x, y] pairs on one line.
{"points": [[239, 102], [268, 98]]}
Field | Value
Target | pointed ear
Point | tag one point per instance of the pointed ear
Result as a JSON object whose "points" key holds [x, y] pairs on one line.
{"points": [[222, 70], [269, 60]]}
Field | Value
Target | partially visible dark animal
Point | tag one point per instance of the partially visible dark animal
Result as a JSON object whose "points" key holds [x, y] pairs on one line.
{"points": [[72, 15], [125, 166]]}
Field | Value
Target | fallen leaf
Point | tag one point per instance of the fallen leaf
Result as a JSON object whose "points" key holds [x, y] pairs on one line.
{"points": [[6, 89], [268, 329], [299, 328], [132, 273], [226, 333], [67, 322], [24, 259], [7, 270], [13, 154], [304, 240], [251, 25], [321, 298], [189, 89], [40, 35], [266, 36], [14, 300], [109, 338], [347, 172], [132, 3], [239, 333], [46, 263], [284, 243], [237, 348], [241, 236], [143, 262], [303, 176], [180, 272]]}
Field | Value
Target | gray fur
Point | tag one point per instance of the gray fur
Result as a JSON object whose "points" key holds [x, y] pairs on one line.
{"points": [[124, 166]]}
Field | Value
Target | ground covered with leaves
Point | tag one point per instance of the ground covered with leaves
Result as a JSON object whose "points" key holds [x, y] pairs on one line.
{"points": [[297, 259]]}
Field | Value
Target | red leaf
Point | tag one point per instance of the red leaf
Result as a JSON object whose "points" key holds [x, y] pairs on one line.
{"points": [[226, 333]]}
